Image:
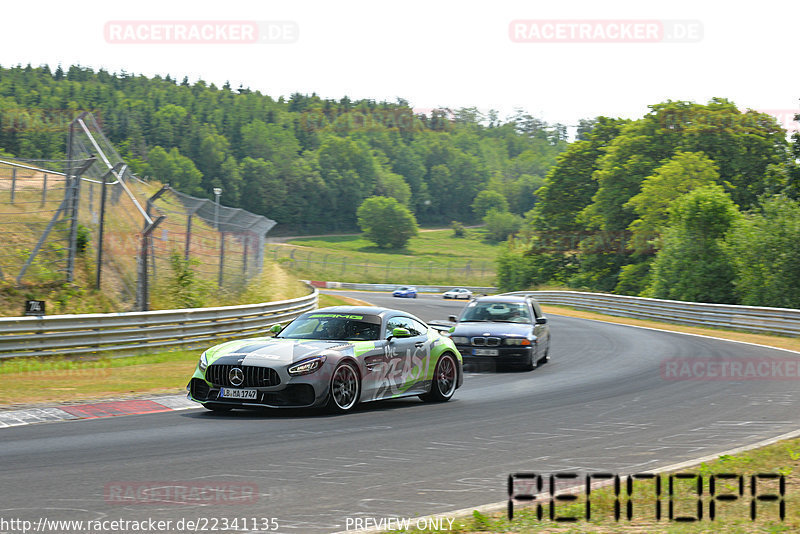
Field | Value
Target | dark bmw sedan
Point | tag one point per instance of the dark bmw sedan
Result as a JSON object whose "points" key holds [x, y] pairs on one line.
{"points": [[503, 329]]}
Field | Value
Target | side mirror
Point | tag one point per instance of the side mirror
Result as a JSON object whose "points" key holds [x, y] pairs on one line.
{"points": [[541, 320], [275, 328], [453, 318], [400, 332]]}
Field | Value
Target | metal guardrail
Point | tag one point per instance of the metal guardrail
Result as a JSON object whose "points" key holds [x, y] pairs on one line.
{"points": [[783, 321], [137, 332]]}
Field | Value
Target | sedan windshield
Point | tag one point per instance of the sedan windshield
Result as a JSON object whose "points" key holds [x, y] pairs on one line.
{"points": [[510, 312], [333, 327]]}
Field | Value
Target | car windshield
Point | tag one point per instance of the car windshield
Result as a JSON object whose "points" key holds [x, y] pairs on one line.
{"points": [[508, 312], [333, 327]]}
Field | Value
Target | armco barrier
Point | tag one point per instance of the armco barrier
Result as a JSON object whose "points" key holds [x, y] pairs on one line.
{"points": [[783, 321], [137, 332]]}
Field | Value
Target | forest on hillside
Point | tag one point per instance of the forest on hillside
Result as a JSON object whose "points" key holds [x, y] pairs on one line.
{"points": [[306, 162]]}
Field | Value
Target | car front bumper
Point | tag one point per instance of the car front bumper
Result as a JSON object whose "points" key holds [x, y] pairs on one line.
{"points": [[506, 355]]}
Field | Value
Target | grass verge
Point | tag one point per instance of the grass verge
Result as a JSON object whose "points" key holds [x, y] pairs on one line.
{"points": [[782, 458], [433, 257], [29, 381]]}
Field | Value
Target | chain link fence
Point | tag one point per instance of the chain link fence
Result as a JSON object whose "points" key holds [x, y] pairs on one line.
{"points": [[125, 235], [141, 230], [36, 220]]}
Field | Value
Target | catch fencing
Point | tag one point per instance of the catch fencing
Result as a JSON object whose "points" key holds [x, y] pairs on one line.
{"points": [[782, 321], [90, 210], [137, 332], [138, 228], [38, 220]]}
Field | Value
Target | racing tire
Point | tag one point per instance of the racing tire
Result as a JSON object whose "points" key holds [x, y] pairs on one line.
{"points": [[345, 388], [546, 357], [444, 380], [532, 363]]}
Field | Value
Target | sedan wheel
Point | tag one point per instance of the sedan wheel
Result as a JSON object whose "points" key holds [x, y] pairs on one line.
{"points": [[443, 384], [345, 388]]}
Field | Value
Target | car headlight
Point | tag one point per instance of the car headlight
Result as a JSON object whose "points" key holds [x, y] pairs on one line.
{"points": [[203, 363], [517, 341], [459, 340], [306, 366]]}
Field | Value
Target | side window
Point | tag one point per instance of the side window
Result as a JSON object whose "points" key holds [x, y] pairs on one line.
{"points": [[417, 328], [391, 324], [414, 327]]}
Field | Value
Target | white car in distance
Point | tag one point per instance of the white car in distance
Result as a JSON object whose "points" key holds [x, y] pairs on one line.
{"points": [[458, 293]]}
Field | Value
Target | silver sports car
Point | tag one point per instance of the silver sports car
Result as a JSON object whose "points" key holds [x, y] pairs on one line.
{"points": [[334, 357]]}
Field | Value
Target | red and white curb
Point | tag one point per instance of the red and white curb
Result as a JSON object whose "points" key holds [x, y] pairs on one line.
{"points": [[96, 410]]}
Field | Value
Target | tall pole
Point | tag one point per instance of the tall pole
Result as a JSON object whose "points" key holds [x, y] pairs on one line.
{"points": [[103, 195], [217, 194]]}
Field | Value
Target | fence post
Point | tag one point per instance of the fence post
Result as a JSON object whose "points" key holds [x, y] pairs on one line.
{"points": [[44, 190], [221, 257], [103, 195], [188, 237], [91, 200], [13, 182], [246, 240]]}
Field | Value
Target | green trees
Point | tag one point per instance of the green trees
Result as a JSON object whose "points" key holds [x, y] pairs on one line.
{"points": [[764, 248], [682, 173], [386, 222], [501, 224], [693, 264], [175, 169], [486, 201], [653, 207], [328, 154]]}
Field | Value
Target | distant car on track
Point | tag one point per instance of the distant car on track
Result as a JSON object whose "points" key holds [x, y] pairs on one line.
{"points": [[457, 293], [335, 358], [504, 330], [407, 292]]}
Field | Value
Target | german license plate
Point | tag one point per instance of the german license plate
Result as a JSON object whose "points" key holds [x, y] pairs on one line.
{"points": [[485, 352], [247, 394]]}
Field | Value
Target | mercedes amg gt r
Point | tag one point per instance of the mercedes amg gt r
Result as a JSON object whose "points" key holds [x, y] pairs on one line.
{"points": [[335, 358]]}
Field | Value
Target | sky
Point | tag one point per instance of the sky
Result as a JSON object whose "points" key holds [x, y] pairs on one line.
{"points": [[560, 61]]}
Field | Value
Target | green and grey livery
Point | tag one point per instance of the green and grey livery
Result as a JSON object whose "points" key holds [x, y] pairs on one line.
{"points": [[335, 357]]}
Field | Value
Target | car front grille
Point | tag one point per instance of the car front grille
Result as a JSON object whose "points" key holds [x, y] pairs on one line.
{"points": [[254, 377], [485, 341]]}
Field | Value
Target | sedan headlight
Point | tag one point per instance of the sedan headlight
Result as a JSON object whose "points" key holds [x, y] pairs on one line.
{"points": [[203, 363], [517, 341], [459, 340], [306, 367]]}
